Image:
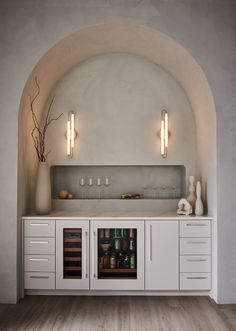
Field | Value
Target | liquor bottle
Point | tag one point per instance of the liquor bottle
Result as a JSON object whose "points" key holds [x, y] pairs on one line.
{"points": [[131, 244], [113, 261], [125, 244], [126, 261], [116, 233], [107, 233], [132, 261], [131, 233], [101, 233], [119, 262], [117, 244], [106, 261], [123, 233]]}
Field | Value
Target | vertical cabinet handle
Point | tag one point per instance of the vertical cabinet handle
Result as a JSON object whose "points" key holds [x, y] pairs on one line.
{"points": [[94, 252], [150, 243], [85, 255]]}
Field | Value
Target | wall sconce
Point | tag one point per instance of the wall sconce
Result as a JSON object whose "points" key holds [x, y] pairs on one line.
{"points": [[71, 134], [164, 133]]}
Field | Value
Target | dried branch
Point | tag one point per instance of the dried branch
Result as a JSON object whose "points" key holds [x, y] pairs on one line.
{"points": [[38, 132]]}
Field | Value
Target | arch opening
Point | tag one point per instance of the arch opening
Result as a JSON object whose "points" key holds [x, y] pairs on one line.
{"points": [[137, 40]]}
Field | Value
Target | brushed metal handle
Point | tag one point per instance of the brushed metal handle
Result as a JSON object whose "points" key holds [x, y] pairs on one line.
{"points": [[39, 259], [196, 277], [196, 242], [196, 260], [150, 243], [43, 277], [39, 224], [85, 255], [94, 248], [196, 224], [39, 242]]}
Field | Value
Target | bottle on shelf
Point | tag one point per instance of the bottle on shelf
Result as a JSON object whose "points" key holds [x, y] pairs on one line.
{"points": [[123, 233], [131, 244], [125, 244], [117, 244], [126, 261], [107, 233], [119, 262], [131, 233], [106, 261], [113, 261], [101, 233], [132, 261], [116, 233]]}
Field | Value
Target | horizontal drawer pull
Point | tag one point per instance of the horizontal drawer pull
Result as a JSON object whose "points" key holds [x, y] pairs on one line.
{"points": [[196, 242], [39, 242], [39, 259], [196, 260], [42, 277], [196, 277], [39, 224], [196, 224]]}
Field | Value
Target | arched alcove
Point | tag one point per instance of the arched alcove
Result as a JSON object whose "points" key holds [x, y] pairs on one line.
{"points": [[132, 39]]}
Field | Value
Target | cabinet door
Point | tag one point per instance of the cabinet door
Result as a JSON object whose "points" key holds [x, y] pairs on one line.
{"points": [[162, 255], [117, 255], [72, 254]]}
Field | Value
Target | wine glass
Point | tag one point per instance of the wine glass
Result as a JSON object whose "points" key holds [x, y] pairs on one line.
{"points": [[107, 184], [99, 184], [90, 184], [82, 184]]}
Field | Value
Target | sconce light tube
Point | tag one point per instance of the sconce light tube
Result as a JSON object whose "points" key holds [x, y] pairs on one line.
{"points": [[71, 134], [164, 134]]}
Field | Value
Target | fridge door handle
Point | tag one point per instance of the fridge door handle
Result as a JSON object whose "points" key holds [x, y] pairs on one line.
{"points": [[94, 254], [150, 243], [85, 255]]}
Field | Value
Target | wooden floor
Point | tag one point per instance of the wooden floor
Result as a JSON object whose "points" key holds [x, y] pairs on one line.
{"points": [[117, 314]]}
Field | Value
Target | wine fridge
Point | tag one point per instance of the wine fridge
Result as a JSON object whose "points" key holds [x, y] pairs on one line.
{"points": [[117, 261], [72, 241]]}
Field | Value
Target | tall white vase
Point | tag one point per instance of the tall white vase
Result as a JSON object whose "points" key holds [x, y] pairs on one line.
{"points": [[43, 190], [199, 204]]}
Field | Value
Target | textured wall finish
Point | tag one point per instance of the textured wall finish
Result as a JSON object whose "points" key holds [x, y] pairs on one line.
{"points": [[205, 28]]}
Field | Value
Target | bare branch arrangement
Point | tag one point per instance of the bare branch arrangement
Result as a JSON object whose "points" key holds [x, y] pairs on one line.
{"points": [[38, 132]]}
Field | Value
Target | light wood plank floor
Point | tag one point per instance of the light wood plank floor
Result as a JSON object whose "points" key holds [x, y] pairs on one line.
{"points": [[117, 314]]}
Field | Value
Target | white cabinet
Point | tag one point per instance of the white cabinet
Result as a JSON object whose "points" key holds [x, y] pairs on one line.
{"points": [[72, 254], [117, 255], [162, 255]]}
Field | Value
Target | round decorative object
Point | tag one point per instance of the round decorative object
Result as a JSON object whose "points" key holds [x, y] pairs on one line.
{"points": [[199, 204], [184, 207], [43, 190], [63, 194]]}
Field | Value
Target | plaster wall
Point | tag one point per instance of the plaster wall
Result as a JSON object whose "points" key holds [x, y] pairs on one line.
{"points": [[205, 28]]}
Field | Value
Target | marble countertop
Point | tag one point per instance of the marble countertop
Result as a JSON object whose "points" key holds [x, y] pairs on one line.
{"points": [[116, 214]]}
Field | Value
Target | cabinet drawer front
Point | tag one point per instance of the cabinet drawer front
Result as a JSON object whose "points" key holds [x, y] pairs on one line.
{"points": [[41, 263], [195, 246], [195, 228], [39, 281], [195, 281], [39, 245], [195, 263], [39, 228]]}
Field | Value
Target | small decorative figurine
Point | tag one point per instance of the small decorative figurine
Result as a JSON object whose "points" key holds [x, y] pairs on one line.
{"points": [[199, 204], [192, 197], [184, 207]]}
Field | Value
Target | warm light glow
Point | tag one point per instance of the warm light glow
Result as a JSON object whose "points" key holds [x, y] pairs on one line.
{"points": [[164, 133], [71, 134], [72, 130], [68, 138]]}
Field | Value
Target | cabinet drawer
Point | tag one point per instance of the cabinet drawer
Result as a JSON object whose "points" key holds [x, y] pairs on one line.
{"points": [[195, 263], [39, 228], [39, 245], [195, 281], [195, 228], [39, 281], [195, 246], [41, 263]]}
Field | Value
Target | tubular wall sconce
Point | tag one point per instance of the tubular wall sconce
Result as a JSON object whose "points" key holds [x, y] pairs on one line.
{"points": [[71, 134], [164, 133]]}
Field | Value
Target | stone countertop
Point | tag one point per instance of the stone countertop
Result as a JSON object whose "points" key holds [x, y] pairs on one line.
{"points": [[116, 214]]}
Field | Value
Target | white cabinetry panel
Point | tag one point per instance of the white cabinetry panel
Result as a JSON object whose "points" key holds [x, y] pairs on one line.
{"points": [[162, 255]]}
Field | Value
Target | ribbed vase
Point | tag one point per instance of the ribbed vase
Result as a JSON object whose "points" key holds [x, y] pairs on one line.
{"points": [[43, 190]]}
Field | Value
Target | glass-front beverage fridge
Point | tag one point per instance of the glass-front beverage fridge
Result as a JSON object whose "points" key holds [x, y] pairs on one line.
{"points": [[117, 261]]}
